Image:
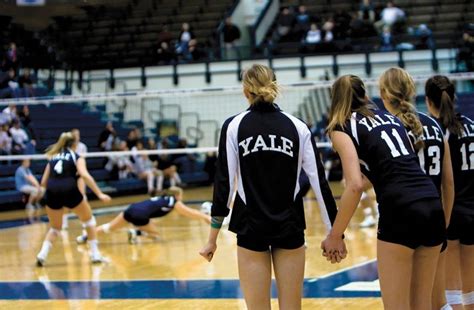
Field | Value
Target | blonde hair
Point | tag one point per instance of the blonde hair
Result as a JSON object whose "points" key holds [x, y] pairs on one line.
{"points": [[260, 82], [173, 191], [348, 95], [398, 89], [66, 140]]}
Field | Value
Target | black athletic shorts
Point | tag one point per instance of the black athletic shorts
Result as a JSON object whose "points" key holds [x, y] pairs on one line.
{"points": [[461, 228], [58, 199], [253, 243], [133, 216], [421, 223]]}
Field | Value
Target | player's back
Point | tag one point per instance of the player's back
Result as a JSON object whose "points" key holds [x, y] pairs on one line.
{"points": [[388, 159], [155, 206], [63, 170]]}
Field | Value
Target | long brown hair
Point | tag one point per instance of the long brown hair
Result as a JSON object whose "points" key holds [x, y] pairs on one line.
{"points": [[398, 89], [442, 94], [348, 95], [260, 82], [66, 140]]}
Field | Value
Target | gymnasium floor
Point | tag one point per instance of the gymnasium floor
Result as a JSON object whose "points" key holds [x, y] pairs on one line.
{"points": [[169, 274]]}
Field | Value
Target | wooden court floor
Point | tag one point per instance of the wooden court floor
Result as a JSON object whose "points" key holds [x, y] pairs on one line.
{"points": [[134, 275]]}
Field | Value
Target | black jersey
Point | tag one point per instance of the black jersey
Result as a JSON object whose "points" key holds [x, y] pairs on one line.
{"points": [[432, 155], [154, 207], [63, 170], [388, 160], [462, 158], [262, 152]]}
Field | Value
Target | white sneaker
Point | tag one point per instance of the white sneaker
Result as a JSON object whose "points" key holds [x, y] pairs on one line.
{"points": [[96, 257], [132, 236], [369, 221], [82, 239]]}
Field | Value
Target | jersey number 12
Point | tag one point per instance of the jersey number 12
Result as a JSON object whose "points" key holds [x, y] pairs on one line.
{"points": [[467, 156], [393, 149]]}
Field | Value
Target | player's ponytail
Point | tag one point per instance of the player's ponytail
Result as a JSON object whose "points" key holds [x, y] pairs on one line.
{"points": [[260, 83], [397, 89], [66, 140], [348, 95], [441, 92]]}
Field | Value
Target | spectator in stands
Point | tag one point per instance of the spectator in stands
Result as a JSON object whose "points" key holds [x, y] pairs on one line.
{"points": [[314, 35], [144, 169], [303, 21], [120, 164], [231, 34], [107, 137], [386, 40], [366, 11], [165, 55], [165, 35], [9, 87], [425, 37], [133, 137], [9, 114], [5, 141], [11, 59], [328, 28], [26, 183], [185, 36], [81, 148], [195, 52], [26, 122], [21, 141], [466, 50], [285, 23], [342, 22], [26, 83], [390, 16]]}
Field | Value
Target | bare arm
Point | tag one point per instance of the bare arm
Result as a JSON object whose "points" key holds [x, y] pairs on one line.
{"points": [[89, 180], [184, 210], [45, 178], [447, 184]]}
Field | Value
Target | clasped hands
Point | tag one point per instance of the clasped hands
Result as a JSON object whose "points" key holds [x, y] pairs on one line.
{"points": [[334, 248]]}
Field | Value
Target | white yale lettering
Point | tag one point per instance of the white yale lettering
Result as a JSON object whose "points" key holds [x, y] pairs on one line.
{"points": [[282, 145], [378, 121]]}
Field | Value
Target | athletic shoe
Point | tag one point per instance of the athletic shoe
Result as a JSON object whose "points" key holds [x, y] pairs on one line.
{"points": [[82, 239], [96, 258], [39, 262], [369, 221], [132, 236]]}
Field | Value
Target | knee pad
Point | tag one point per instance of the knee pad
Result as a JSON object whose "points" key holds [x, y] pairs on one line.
{"points": [[446, 307], [89, 223], [468, 298], [55, 232], [454, 297]]}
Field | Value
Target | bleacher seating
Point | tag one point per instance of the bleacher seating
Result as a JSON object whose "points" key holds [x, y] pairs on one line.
{"points": [[49, 122]]}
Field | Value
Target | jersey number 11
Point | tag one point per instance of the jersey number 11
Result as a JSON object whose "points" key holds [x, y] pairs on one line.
{"points": [[393, 149]]}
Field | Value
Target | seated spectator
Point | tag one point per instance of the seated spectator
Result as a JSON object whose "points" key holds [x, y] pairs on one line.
{"points": [[107, 137], [165, 36], [386, 40], [5, 141], [390, 16], [366, 11], [184, 37], [313, 36], [285, 23], [465, 55], [165, 55], [9, 114], [195, 52], [231, 34], [166, 163], [26, 122], [81, 148], [133, 137], [9, 87], [328, 28], [144, 169], [26, 83], [302, 21], [26, 183], [21, 142], [425, 37], [120, 164]]}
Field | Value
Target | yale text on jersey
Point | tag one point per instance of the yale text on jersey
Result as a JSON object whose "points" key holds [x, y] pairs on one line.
{"points": [[269, 143]]}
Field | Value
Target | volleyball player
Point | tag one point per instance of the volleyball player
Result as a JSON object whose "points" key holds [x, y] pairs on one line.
{"points": [[411, 224], [398, 88], [60, 180], [139, 215], [262, 152], [440, 99]]}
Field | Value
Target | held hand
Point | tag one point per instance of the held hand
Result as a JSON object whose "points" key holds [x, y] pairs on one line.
{"points": [[104, 197], [208, 251], [334, 249]]}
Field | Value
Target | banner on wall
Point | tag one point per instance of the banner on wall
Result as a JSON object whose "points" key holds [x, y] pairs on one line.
{"points": [[30, 2]]}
